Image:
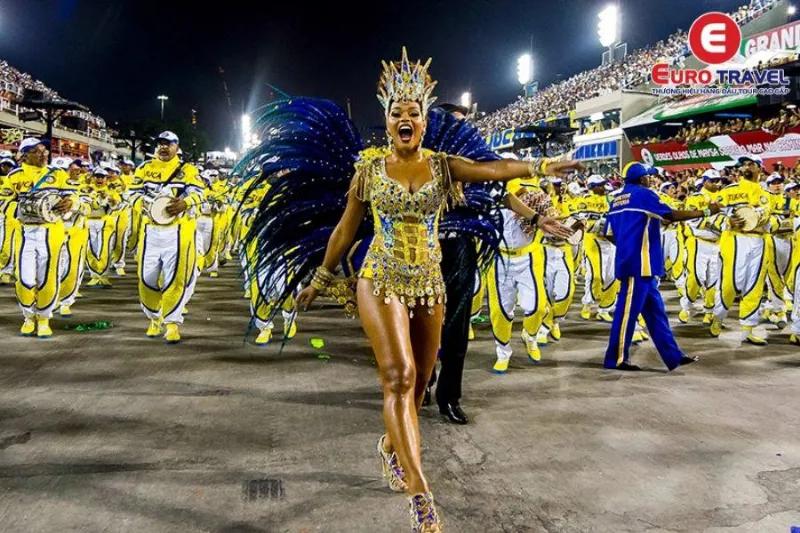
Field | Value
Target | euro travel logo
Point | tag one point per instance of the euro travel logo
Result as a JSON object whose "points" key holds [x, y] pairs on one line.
{"points": [[715, 39]]}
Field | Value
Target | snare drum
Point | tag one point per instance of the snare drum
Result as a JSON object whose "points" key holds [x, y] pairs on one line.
{"points": [[38, 208]]}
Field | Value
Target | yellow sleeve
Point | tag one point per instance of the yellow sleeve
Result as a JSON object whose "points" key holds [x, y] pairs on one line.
{"points": [[514, 186]]}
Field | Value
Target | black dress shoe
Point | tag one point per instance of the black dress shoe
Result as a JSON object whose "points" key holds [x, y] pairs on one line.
{"points": [[628, 366], [688, 360], [454, 413], [426, 400]]}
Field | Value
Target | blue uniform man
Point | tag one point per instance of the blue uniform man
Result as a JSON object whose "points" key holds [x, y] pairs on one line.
{"points": [[634, 220]]}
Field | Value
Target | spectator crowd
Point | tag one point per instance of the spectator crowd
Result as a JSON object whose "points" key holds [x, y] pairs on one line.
{"points": [[698, 132], [560, 98]]}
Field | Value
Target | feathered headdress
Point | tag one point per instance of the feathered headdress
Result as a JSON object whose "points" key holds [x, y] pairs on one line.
{"points": [[409, 83]]}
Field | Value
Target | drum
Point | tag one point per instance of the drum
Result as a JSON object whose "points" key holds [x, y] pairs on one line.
{"points": [[38, 208], [157, 210], [750, 217], [577, 230], [599, 227]]}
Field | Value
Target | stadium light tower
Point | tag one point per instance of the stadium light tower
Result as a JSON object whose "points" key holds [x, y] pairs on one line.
{"points": [[163, 99], [466, 99], [609, 31], [791, 10], [525, 74]]}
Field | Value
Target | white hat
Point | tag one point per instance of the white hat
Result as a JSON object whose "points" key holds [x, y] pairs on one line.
{"points": [[61, 162], [556, 181], [112, 168], [789, 186], [774, 177], [8, 161], [127, 162], [6, 153], [29, 143], [575, 188], [753, 158], [666, 185], [710, 174], [167, 136], [99, 171], [596, 181]]}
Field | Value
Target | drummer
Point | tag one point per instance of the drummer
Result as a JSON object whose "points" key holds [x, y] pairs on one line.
{"points": [[168, 255], [8, 224], [40, 242], [779, 247], [743, 263], [634, 221]]}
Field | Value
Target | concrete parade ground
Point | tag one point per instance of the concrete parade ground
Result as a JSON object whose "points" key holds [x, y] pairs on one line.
{"points": [[108, 431]]}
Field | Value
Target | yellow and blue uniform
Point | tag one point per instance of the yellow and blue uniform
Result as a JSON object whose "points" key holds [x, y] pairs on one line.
{"points": [[9, 229], [517, 277], [38, 248], [168, 252], [73, 254], [122, 224], [744, 263], [635, 220], [779, 246], [702, 253], [101, 225], [133, 189], [599, 252]]}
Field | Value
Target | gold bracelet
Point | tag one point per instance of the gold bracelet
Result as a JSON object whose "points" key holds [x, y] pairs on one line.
{"points": [[532, 167], [543, 168]]}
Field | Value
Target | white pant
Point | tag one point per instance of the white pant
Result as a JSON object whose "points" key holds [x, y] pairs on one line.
{"points": [[557, 277], [796, 303], [783, 257], [746, 280], [4, 229], [125, 236], [705, 268], [669, 245], [608, 253], [166, 274], [515, 283], [96, 243], [205, 239], [38, 273]]}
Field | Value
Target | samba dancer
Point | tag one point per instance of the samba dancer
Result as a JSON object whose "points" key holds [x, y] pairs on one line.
{"points": [[400, 291]]}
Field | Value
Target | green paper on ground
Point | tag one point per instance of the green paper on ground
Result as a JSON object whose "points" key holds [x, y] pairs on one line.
{"points": [[480, 319], [323, 356], [316, 342]]}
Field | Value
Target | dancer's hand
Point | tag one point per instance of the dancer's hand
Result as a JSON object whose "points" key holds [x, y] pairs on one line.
{"points": [[561, 169], [63, 206], [304, 299]]}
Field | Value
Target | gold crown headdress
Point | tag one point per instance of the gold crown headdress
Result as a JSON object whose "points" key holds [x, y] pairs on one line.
{"points": [[409, 83]]}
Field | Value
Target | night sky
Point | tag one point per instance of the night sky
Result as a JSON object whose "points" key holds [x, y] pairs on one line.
{"points": [[116, 56]]}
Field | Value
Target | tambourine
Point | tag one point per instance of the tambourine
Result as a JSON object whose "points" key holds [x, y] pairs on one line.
{"points": [[38, 208], [750, 218], [599, 227]]}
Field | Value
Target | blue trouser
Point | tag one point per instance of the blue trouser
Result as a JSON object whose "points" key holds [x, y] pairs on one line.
{"points": [[640, 296]]}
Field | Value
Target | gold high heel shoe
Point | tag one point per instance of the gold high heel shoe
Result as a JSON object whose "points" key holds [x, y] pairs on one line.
{"points": [[424, 518], [392, 471]]}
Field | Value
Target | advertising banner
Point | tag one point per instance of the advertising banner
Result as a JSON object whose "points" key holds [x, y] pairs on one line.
{"points": [[723, 150]]}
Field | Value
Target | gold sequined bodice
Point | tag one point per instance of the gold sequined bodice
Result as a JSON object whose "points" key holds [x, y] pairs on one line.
{"points": [[404, 258]]}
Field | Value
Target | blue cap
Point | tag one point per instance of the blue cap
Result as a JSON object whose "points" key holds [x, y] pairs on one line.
{"points": [[634, 172], [652, 171]]}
